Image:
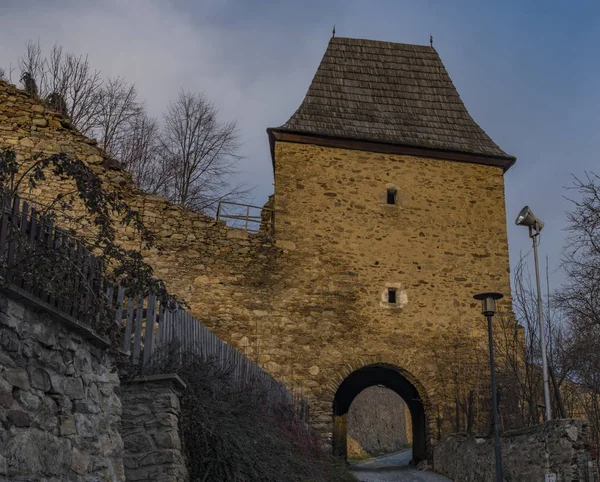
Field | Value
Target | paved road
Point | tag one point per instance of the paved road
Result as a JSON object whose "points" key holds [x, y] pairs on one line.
{"points": [[393, 468]]}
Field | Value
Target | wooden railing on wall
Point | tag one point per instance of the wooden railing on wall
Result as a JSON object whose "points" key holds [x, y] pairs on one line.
{"points": [[28, 240], [254, 219]]}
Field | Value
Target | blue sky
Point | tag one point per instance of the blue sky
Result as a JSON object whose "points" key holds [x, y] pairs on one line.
{"points": [[527, 71]]}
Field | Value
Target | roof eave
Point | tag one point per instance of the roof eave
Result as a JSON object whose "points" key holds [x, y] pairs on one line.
{"points": [[284, 135]]}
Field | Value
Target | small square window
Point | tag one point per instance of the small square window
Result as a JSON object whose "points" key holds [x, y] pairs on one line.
{"points": [[392, 295], [391, 196]]}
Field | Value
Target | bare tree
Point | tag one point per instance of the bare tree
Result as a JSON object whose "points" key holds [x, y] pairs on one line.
{"points": [[579, 298], [190, 158], [201, 153], [65, 80], [139, 149], [32, 65], [81, 91], [117, 110]]}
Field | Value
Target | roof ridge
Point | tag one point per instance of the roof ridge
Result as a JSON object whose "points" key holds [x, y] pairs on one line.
{"points": [[382, 42]]}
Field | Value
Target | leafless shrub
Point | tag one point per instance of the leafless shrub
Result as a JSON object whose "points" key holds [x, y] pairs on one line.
{"points": [[232, 431]]}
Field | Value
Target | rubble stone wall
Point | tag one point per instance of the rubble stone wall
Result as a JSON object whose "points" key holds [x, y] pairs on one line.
{"points": [[60, 409], [378, 423], [311, 302], [150, 430], [557, 447]]}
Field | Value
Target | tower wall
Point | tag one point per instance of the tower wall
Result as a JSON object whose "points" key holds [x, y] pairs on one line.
{"points": [[443, 241], [309, 304]]}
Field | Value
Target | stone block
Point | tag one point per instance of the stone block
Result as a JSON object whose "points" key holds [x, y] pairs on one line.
{"points": [[6, 399], [36, 452], [9, 340], [73, 388], [85, 426], [40, 122], [138, 442], [40, 379], [17, 377], [67, 426], [28, 400], [18, 418], [79, 462]]}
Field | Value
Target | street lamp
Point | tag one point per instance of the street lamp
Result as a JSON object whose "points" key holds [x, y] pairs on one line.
{"points": [[527, 218], [488, 308]]}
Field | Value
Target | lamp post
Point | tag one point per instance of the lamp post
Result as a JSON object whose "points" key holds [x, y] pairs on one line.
{"points": [[527, 218], [488, 308]]}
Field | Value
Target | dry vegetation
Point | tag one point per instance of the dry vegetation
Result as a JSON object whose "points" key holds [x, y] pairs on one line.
{"points": [[232, 431]]}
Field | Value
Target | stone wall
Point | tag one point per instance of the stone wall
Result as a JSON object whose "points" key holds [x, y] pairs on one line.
{"points": [[151, 417], [310, 304], [59, 400], [558, 447], [378, 423]]}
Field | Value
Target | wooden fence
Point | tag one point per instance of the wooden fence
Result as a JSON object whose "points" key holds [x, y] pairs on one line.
{"points": [[46, 261], [149, 327], [53, 266]]}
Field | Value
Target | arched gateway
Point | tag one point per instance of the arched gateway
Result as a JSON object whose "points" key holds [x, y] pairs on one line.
{"points": [[390, 377]]}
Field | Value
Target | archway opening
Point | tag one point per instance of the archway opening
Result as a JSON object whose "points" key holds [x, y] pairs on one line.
{"points": [[379, 423], [392, 378]]}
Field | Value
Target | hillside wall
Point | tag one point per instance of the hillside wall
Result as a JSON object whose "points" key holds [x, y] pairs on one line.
{"points": [[60, 409]]}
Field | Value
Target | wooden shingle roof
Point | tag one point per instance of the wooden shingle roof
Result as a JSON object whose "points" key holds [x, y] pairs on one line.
{"points": [[390, 93]]}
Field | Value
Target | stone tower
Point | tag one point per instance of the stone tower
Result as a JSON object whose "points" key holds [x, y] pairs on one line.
{"points": [[389, 216], [389, 202]]}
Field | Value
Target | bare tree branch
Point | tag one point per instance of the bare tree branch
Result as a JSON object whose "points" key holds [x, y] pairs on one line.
{"points": [[200, 152], [117, 109]]}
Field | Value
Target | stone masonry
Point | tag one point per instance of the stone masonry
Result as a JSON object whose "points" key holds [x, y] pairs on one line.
{"points": [[60, 409], [310, 303], [378, 423], [558, 447], [150, 429]]}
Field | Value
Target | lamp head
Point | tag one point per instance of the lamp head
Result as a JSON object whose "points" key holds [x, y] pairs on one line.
{"points": [[488, 302], [527, 218]]}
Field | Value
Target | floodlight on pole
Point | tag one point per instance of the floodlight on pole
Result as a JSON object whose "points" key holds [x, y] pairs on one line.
{"points": [[527, 218], [488, 308]]}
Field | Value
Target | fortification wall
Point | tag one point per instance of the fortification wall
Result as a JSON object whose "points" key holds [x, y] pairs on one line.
{"points": [[60, 409], [311, 303]]}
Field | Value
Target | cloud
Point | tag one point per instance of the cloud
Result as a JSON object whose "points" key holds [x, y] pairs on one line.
{"points": [[527, 76]]}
